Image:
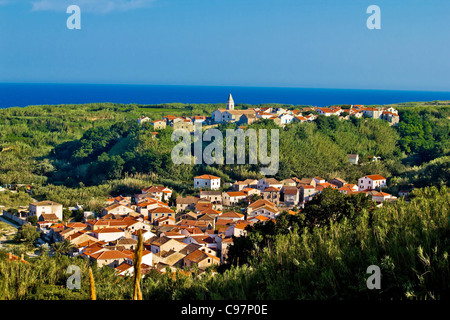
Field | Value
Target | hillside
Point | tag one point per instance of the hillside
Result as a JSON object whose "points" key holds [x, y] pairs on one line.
{"points": [[408, 241], [101, 147]]}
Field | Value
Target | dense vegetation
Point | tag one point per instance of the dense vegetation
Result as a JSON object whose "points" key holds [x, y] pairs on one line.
{"points": [[82, 153], [408, 241]]}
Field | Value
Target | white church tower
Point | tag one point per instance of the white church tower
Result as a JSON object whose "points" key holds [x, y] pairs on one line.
{"points": [[230, 103]]}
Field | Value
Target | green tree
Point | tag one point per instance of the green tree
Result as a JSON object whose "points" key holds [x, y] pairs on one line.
{"points": [[62, 248], [27, 234]]}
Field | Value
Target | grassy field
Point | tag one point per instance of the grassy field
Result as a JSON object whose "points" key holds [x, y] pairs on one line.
{"points": [[6, 228]]}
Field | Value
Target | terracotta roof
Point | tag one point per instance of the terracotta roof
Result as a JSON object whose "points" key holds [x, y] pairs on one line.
{"points": [[346, 188], [110, 254], [76, 225], [115, 205], [271, 189], [290, 190], [261, 218], [126, 241], [124, 266], [325, 185], [261, 202], [86, 243], [207, 177], [108, 230], [198, 256], [230, 214], [241, 225], [269, 208], [272, 181], [154, 189], [224, 222], [162, 210], [376, 177], [209, 211], [237, 194], [50, 217], [187, 200]]}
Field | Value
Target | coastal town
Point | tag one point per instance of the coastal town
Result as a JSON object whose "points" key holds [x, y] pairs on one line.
{"points": [[280, 116], [197, 231]]}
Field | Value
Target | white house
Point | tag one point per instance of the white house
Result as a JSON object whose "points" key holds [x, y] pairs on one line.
{"points": [[158, 192], [370, 182], [207, 181], [217, 115], [268, 182], [108, 234], [328, 111], [232, 197], [286, 119], [237, 229], [46, 209], [319, 180], [143, 119], [117, 208], [266, 211], [379, 197]]}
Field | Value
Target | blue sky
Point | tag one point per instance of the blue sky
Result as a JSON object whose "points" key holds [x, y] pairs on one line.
{"points": [[292, 43]]}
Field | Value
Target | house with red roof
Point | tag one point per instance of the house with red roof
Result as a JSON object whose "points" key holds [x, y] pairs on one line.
{"points": [[307, 192], [111, 258], [158, 124], [117, 208], [271, 194], [231, 198], [207, 181], [374, 181], [200, 258], [143, 119], [291, 195], [108, 234], [159, 213], [157, 192]]}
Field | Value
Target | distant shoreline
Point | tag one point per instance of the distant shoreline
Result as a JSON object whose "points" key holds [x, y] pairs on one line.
{"points": [[24, 94]]}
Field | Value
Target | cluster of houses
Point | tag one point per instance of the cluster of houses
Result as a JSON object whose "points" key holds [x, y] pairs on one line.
{"points": [[197, 231], [176, 122], [288, 193], [281, 116]]}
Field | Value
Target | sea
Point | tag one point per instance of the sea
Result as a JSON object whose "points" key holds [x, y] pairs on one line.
{"points": [[25, 94]]}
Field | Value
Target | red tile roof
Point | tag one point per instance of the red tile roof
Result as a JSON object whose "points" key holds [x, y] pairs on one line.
{"points": [[376, 177], [207, 177]]}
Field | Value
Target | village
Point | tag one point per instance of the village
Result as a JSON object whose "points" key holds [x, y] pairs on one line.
{"points": [[197, 232], [280, 116], [199, 229]]}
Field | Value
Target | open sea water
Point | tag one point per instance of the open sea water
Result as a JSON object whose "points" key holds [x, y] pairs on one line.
{"points": [[24, 94]]}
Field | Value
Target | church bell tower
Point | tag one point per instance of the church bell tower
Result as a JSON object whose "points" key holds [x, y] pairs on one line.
{"points": [[230, 103]]}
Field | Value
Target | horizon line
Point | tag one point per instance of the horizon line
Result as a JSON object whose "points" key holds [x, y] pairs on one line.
{"points": [[222, 86]]}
